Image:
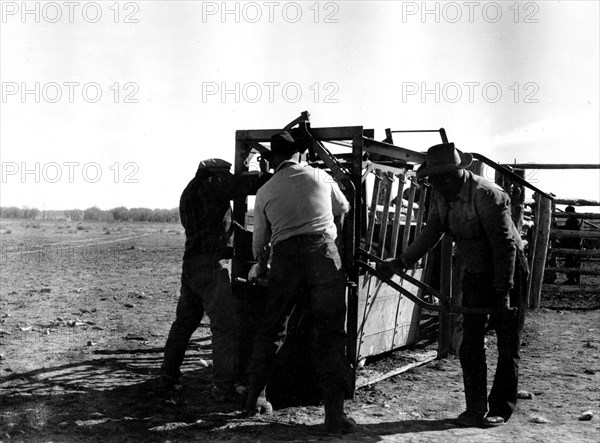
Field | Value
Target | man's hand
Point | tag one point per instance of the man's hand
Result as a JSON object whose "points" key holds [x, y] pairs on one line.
{"points": [[391, 266], [503, 300], [258, 274]]}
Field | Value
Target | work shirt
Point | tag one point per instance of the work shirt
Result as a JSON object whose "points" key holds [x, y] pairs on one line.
{"points": [[297, 200], [205, 212], [478, 218]]}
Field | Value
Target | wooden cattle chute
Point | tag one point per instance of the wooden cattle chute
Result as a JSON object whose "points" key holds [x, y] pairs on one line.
{"points": [[543, 254], [379, 318], [388, 211]]}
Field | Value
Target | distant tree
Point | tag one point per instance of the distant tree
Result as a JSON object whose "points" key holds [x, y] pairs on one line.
{"points": [[120, 214], [93, 214], [74, 214]]}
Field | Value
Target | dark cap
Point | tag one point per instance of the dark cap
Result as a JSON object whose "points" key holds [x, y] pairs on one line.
{"points": [[283, 143]]}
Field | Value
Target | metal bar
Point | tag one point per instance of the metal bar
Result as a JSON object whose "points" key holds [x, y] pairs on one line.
{"points": [[392, 151], [415, 130], [511, 174], [322, 134], [420, 302]]}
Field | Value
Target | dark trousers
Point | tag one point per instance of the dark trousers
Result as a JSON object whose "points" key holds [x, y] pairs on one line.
{"points": [[305, 270], [478, 292], [205, 286]]}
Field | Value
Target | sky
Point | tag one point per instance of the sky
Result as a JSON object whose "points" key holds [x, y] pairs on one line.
{"points": [[115, 103]]}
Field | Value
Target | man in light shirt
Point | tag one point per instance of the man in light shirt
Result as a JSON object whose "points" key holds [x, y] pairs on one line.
{"points": [[294, 212]]}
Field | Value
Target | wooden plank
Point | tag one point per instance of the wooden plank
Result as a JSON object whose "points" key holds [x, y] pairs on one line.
{"points": [[576, 202], [569, 289], [421, 211], [409, 213], [397, 214], [553, 166], [577, 252], [423, 360], [541, 250], [387, 191], [445, 288], [372, 214], [563, 233], [589, 215], [578, 270]]}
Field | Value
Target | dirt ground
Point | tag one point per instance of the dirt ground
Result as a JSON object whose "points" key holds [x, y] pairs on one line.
{"points": [[85, 310]]}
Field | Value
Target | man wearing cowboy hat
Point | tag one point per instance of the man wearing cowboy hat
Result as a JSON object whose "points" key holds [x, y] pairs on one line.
{"points": [[294, 212], [476, 213]]}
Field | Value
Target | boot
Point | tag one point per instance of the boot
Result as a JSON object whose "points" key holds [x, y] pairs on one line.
{"points": [[336, 421], [257, 402]]}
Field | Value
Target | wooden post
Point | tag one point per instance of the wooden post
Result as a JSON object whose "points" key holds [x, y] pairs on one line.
{"points": [[456, 320], [518, 201], [445, 288], [542, 228]]}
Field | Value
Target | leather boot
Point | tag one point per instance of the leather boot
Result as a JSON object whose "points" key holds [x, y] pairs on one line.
{"points": [[257, 402], [336, 421]]}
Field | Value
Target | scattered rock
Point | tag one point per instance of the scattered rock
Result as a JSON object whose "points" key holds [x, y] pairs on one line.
{"points": [[586, 416], [135, 337], [45, 290], [2, 357], [26, 328], [6, 314], [5, 333], [59, 318], [128, 305], [525, 395], [590, 371], [539, 419], [91, 343]]}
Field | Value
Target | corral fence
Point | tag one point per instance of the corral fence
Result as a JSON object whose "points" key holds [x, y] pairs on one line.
{"points": [[560, 243]]}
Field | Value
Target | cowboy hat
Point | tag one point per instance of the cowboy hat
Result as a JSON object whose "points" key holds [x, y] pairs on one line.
{"points": [[443, 158]]}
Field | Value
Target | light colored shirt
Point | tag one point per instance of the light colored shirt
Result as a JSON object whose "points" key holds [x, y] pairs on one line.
{"points": [[297, 200], [479, 221]]}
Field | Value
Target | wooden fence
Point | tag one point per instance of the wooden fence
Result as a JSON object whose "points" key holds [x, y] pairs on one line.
{"points": [[548, 259]]}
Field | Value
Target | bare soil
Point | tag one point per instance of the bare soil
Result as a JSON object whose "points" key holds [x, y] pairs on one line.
{"points": [[85, 310]]}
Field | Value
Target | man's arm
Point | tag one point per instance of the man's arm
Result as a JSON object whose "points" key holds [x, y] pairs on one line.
{"points": [[339, 203], [233, 186], [427, 239], [261, 235], [493, 208]]}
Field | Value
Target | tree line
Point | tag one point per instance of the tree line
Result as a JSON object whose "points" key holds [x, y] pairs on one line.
{"points": [[94, 213]]}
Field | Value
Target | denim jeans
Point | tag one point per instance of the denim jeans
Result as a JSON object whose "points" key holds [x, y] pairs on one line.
{"points": [[478, 292], [205, 286], [305, 270]]}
